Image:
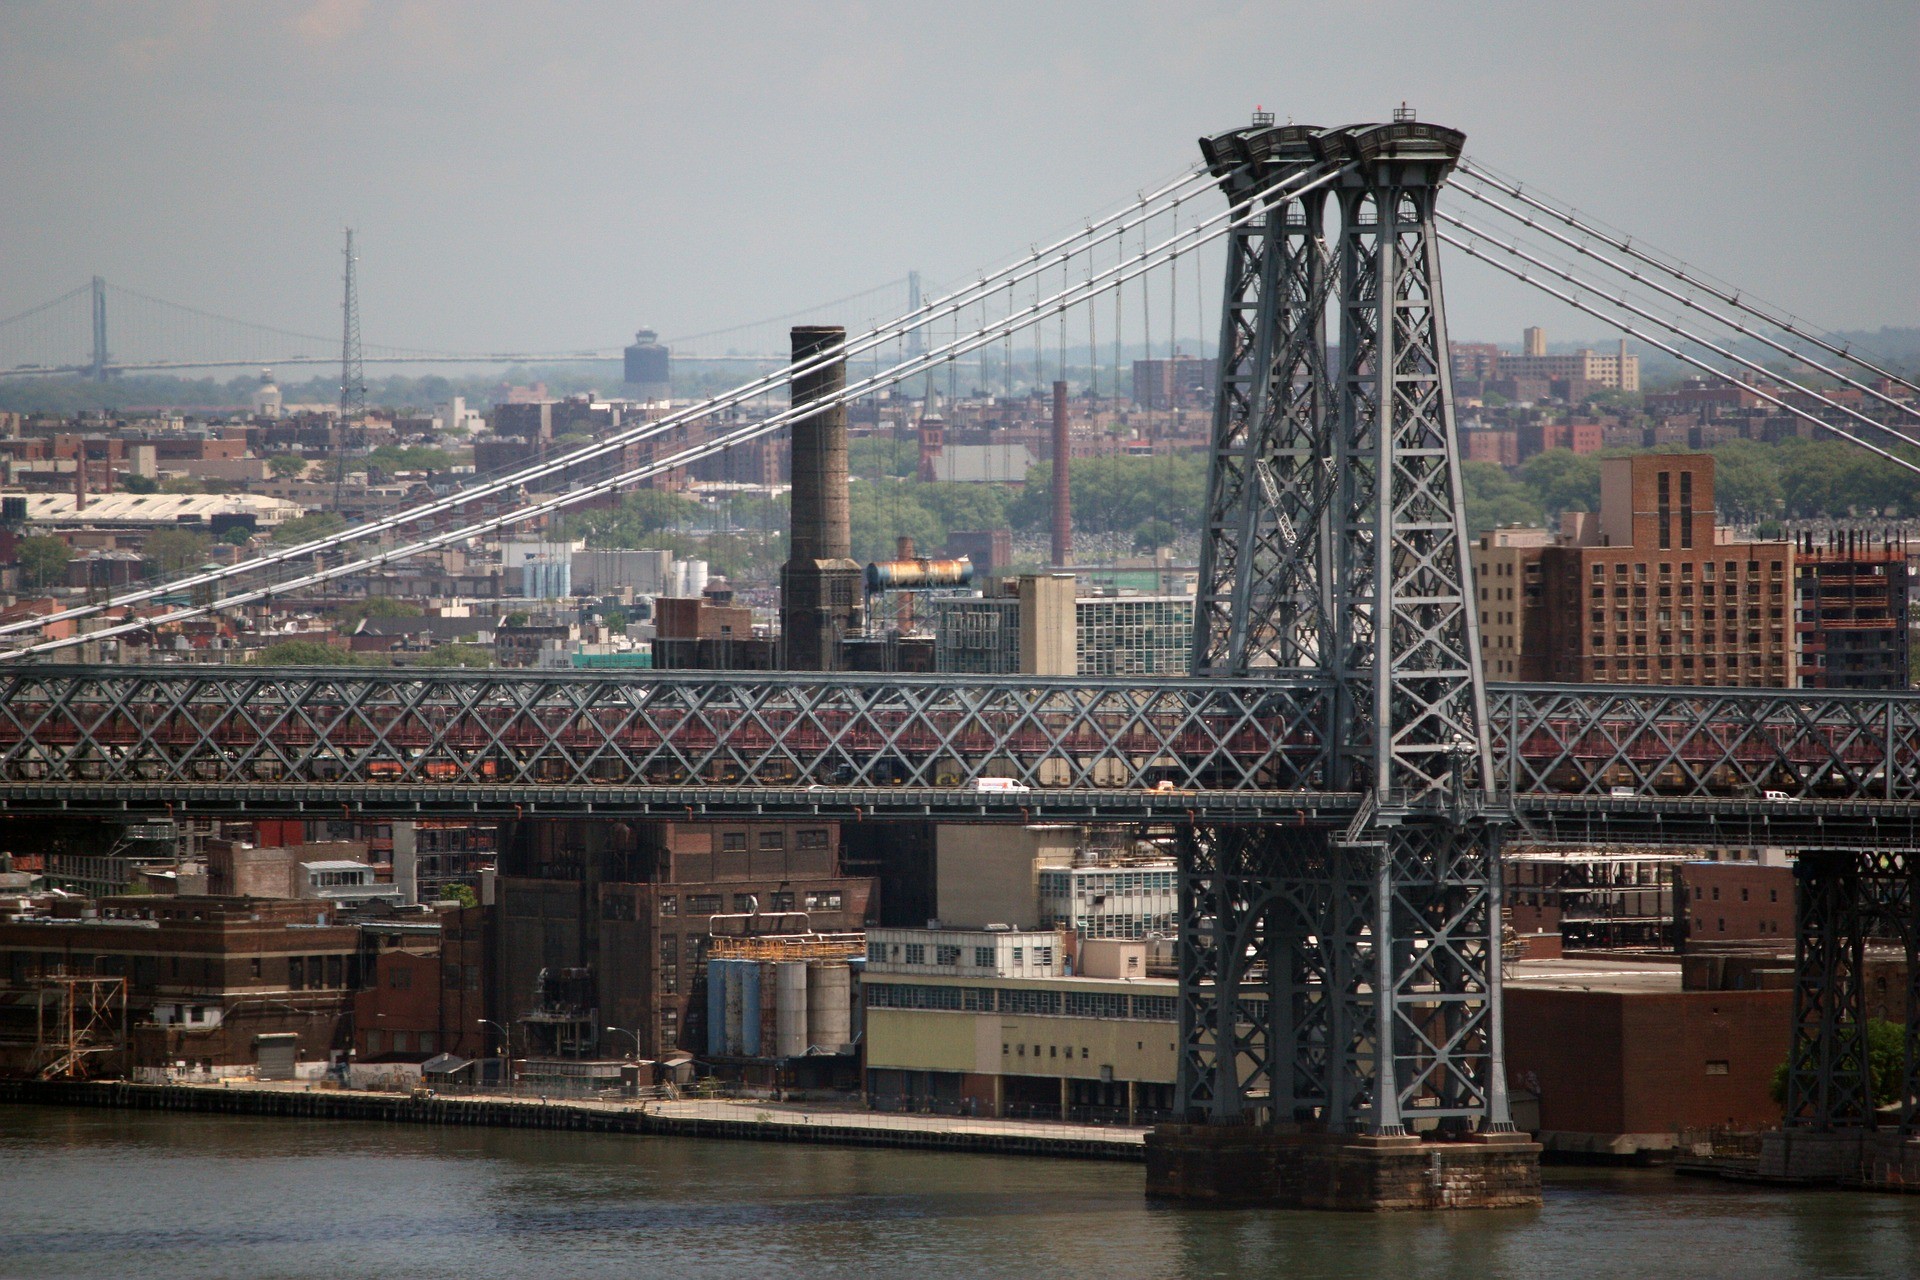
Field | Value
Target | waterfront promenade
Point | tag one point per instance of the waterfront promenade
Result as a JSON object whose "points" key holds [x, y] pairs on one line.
{"points": [[748, 1119]]}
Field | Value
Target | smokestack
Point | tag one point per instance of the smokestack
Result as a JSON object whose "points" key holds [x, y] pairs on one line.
{"points": [[819, 453], [80, 477], [1062, 495], [820, 592], [903, 550]]}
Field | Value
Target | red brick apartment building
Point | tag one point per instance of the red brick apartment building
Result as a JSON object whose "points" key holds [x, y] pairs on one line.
{"points": [[1648, 590]]}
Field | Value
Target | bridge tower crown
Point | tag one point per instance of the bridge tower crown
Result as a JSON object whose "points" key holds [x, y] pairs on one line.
{"points": [[1351, 977]]}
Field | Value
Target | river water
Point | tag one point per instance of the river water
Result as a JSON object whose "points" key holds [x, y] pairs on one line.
{"points": [[152, 1197]]}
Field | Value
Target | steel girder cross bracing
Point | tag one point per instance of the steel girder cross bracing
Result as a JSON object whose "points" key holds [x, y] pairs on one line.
{"points": [[1848, 905], [1345, 978]]}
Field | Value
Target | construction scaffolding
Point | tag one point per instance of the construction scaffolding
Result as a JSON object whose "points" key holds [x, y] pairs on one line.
{"points": [[83, 1022]]}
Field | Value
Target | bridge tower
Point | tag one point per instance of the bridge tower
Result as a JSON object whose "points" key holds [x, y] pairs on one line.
{"points": [[1340, 987], [97, 368]]}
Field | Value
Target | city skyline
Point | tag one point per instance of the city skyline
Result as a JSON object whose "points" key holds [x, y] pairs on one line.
{"points": [[557, 179]]}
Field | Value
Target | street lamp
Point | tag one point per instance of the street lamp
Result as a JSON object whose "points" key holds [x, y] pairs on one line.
{"points": [[633, 1035], [506, 1041]]}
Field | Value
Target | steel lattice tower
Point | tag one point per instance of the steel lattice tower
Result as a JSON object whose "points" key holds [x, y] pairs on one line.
{"points": [[353, 373], [97, 368], [1345, 979]]}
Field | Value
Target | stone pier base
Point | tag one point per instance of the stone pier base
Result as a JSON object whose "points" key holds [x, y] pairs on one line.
{"points": [[1881, 1160], [1228, 1165]]}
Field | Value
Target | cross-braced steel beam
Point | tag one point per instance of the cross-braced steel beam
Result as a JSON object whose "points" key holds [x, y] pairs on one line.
{"points": [[1336, 547], [99, 725]]}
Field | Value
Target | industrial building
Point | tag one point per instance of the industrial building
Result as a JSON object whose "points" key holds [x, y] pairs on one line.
{"points": [[1039, 625], [610, 923], [1007, 1022], [201, 981]]}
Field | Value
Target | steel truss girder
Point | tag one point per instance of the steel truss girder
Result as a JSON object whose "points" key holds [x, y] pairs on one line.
{"points": [[1260, 604], [1848, 904], [1706, 741], [157, 725], [1409, 690], [1281, 975], [98, 725]]}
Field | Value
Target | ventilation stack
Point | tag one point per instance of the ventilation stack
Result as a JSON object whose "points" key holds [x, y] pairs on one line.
{"points": [[1062, 496], [821, 602]]}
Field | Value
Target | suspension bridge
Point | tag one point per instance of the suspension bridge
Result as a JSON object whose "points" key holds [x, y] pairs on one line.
{"points": [[1340, 774], [99, 329]]}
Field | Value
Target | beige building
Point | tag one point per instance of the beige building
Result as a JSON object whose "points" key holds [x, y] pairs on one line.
{"points": [[1618, 371], [1506, 588], [964, 1026], [987, 874]]}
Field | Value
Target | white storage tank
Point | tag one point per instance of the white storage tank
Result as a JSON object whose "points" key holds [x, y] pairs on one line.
{"points": [[830, 1007], [790, 1008]]}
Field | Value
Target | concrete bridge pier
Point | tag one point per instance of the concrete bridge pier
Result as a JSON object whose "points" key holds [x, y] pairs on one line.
{"points": [[1257, 1166]]}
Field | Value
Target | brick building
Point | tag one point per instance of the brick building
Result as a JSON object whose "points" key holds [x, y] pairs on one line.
{"points": [[1650, 590], [1851, 612], [206, 977], [1510, 597], [1734, 902], [1623, 1061], [617, 918]]}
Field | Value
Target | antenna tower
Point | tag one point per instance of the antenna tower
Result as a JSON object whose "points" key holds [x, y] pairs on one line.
{"points": [[353, 374]]}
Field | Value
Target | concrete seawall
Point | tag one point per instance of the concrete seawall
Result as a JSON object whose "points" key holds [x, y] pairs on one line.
{"points": [[763, 1124]]}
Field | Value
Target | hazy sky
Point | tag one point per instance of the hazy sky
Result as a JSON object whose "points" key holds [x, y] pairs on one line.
{"points": [[551, 175]]}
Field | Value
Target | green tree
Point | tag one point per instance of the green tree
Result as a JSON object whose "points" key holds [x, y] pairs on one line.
{"points": [[880, 457], [139, 484], [1114, 494], [456, 655], [460, 893], [305, 653], [638, 521], [316, 524], [287, 466], [1150, 535], [1495, 498], [392, 457], [378, 607], [43, 561], [172, 550], [1886, 1064], [238, 536], [879, 512], [1562, 480], [1746, 480]]}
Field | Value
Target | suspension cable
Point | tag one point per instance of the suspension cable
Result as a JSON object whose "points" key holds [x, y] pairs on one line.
{"points": [[1677, 271], [1251, 207], [1685, 300], [1574, 301], [1627, 304]]}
